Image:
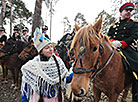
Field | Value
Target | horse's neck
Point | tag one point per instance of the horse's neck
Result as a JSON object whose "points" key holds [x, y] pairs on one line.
{"points": [[108, 50], [107, 47], [20, 46]]}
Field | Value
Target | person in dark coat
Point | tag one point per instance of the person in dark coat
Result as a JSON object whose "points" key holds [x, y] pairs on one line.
{"points": [[3, 36], [25, 36], [124, 35], [44, 31], [16, 33]]}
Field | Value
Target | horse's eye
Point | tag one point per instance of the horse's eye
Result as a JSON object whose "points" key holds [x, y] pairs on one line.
{"points": [[94, 49]]}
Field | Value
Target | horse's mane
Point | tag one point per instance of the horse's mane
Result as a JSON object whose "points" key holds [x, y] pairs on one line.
{"points": [[84, 34], [107, 39], [89, 35]]}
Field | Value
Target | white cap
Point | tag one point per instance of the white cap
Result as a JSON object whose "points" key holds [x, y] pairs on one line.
{"points": [[39, 40]]}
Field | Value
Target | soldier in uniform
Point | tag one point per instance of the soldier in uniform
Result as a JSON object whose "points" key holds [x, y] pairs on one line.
{"points": [[16, 33], [3, 36], [44, 31], [25, 37], [123, 34]]}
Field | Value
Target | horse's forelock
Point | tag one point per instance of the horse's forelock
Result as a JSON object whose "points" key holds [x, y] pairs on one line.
{"points": [[83, 35]]}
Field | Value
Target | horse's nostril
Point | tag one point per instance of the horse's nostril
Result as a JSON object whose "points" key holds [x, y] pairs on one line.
{"points": [[82, 92]]}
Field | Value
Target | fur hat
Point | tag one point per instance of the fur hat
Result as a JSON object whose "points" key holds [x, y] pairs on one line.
{"points": [[16, 28], [44, 27], [2, 28], [39, 40]]}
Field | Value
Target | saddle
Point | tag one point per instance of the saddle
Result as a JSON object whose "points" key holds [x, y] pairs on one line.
{"points": [[126, 65], [124, 60]]}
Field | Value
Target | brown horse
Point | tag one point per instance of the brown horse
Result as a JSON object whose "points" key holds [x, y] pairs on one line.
{"points": [[28, 52], [9, 59], [97, 62]]}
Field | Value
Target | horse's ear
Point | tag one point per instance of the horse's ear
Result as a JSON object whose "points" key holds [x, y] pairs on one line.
{"points": [[98, 25], [76, 27]]}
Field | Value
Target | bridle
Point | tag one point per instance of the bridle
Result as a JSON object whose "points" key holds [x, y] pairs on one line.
{"points": [[96, 69], [30, 53]]}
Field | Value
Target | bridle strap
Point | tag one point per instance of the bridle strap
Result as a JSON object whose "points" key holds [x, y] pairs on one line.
{"points": [[101, 69]]}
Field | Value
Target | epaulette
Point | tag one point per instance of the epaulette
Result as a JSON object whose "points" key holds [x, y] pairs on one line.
{"points": [[136, 20], [112, 24]]}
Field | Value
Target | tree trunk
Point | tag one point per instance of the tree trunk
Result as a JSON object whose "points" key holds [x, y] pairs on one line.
{"points": [[11, 18], [50, 18], [37, 15], [2, 15]]}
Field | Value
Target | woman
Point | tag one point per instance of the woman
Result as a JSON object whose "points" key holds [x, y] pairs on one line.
{"points": [[40, 80]]}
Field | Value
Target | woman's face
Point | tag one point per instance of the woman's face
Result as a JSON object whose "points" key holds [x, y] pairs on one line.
{"points": [[48, 50]]}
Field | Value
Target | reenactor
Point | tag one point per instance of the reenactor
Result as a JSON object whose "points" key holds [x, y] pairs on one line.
{"points": [[25, 36], [123, 34], [16, 33], [3, 36]]}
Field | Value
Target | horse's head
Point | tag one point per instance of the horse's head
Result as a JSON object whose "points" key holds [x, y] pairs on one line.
{"points": [[8, 47], [28, 52], [87, 46], [11, 46]]}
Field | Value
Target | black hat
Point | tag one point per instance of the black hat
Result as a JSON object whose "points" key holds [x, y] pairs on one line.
{"points": [[25, 29], [44, 27], [2, 29], [16, 28]]}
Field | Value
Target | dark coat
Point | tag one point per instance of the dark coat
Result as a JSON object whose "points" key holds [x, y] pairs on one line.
{"points": [[128, 32], [3, 38]]}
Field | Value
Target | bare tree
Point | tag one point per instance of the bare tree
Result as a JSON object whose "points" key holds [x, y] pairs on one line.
{"points": [[37, 15], [80, 20], [50, 5], [107, 21], [67, 25], [136, 9], [3, 10]]}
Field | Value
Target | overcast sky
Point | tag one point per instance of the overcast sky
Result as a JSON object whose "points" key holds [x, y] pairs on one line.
{"points": [[70, 8]]}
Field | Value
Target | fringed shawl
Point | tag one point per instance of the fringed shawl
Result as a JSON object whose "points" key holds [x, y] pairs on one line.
{"points": [[44, 72]]}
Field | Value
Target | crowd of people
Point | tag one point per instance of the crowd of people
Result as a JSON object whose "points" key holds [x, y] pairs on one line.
{"points": [[46, 75]]}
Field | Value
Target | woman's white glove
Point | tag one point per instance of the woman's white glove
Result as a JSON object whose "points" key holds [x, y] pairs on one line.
{"points": [[116, 44]]}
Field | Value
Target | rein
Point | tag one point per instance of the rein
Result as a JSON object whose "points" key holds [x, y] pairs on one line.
{"points": [[30, 52], [101, 69]]}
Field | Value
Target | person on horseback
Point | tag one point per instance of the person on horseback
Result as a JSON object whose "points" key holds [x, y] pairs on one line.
{"points": [[44, 31], [3, 36], [123, 35], [67, 39], [16, 33], [45, 75], [25, 37]]}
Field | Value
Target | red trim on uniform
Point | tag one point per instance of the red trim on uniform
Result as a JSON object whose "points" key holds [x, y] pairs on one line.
{"points": [[127, 19], [112, 40], [124, 44]]}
